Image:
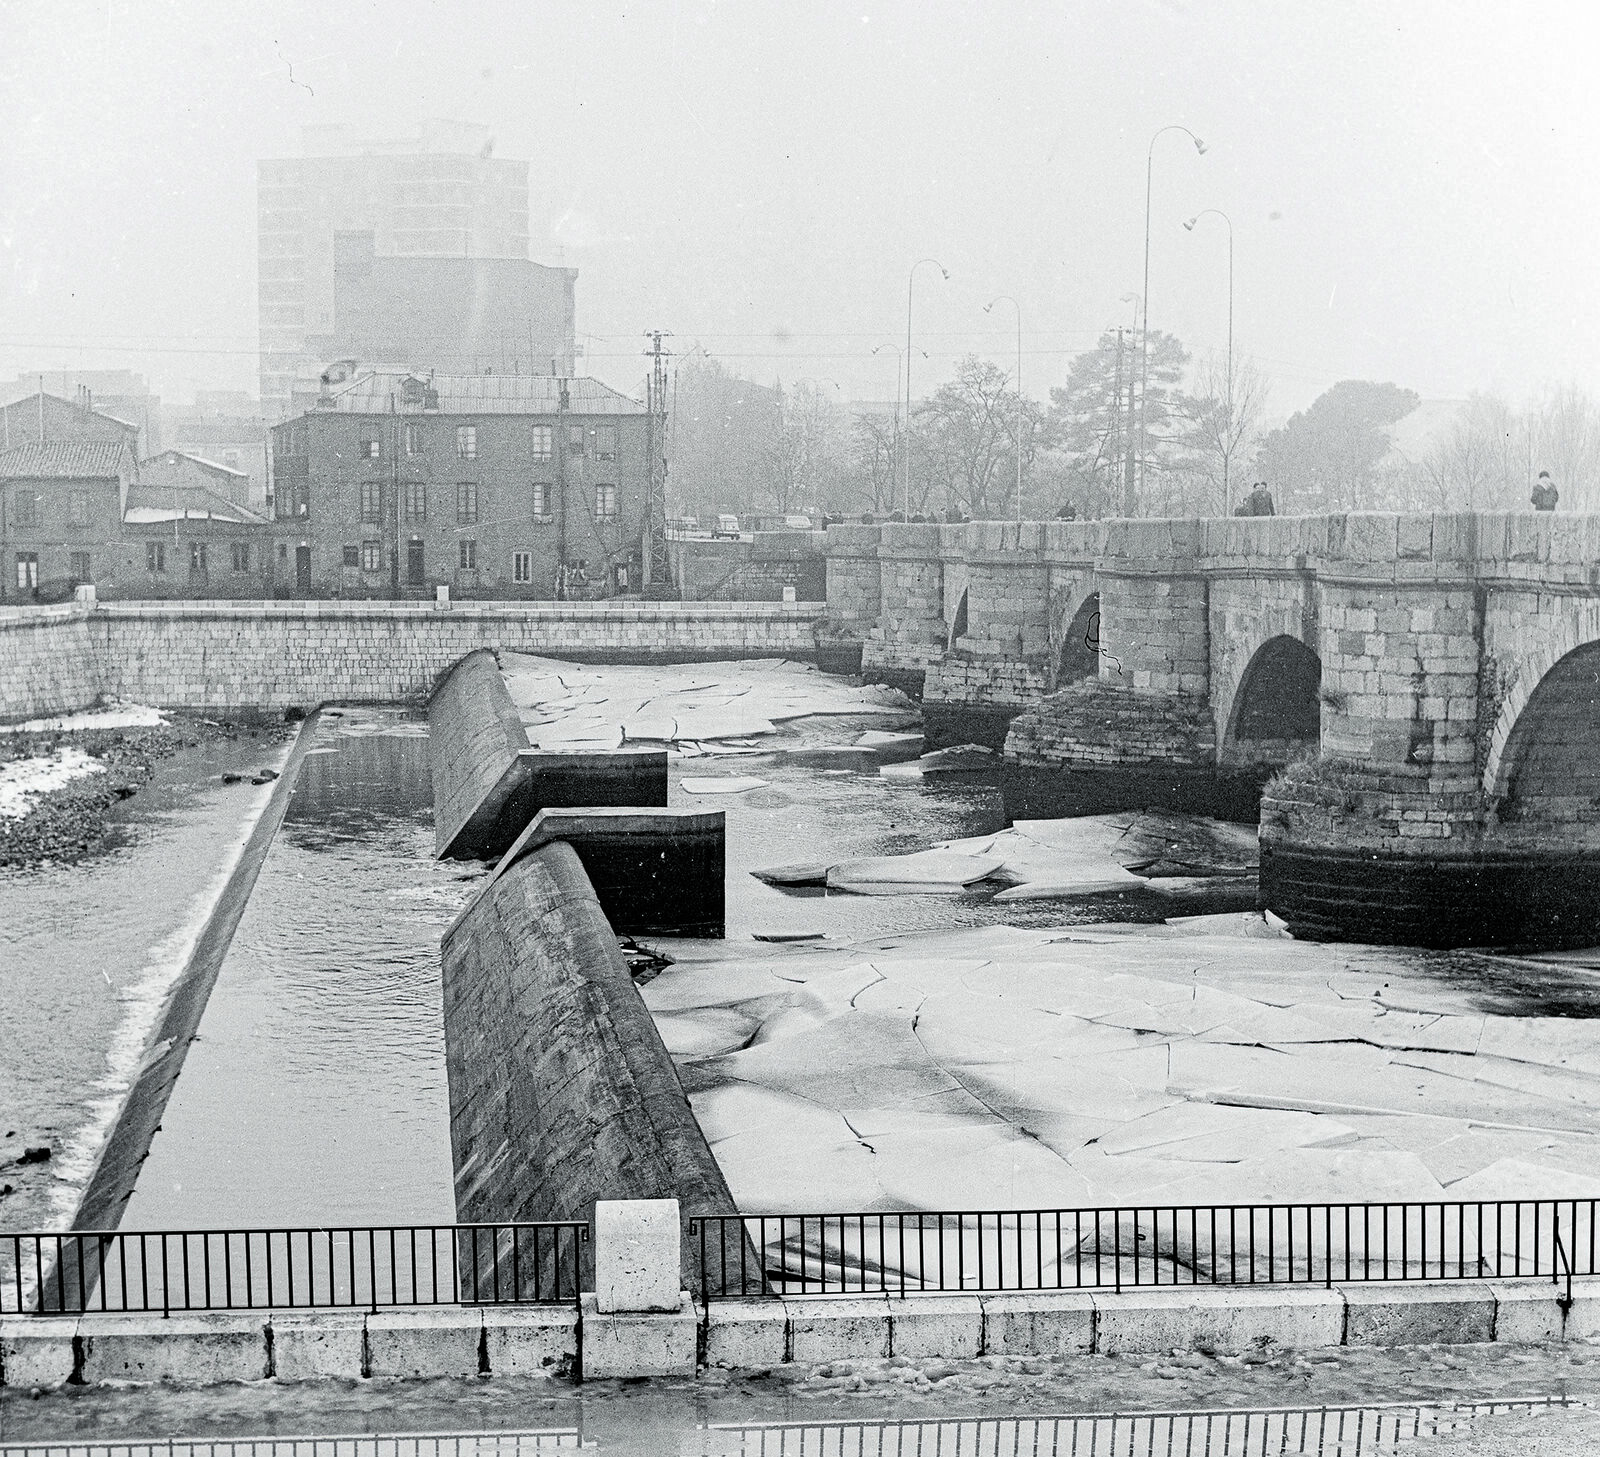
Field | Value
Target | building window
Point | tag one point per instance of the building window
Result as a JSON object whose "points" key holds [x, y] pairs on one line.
{"points": [[78, 505], [466, 502], [605, 503], [605, 442], [80, 568], [155, 556], [467, 442], [522, 568], [25, 509], [413, 439], [415, 495], [27, 570], [241, 556], [372, 501], [370, 450], [352, 556], [468, 551], [543, 442], [371, 556], [197, 558], [575, 439], [541, 498]]}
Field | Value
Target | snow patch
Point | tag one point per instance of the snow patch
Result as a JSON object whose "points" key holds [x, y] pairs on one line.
{"points": [[23, 781]]}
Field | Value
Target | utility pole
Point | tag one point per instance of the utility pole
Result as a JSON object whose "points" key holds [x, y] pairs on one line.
{"points": [[656, 447], [563, 399]]}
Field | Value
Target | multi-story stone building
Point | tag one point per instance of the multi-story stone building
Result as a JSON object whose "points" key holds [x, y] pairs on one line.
{"points": [[438, 194], [496, 486]]}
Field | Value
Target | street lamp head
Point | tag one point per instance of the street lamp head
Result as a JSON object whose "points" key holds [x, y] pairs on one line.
{"points": [[989, 306], [1188, 227], [946, 273], [1199, 146]]}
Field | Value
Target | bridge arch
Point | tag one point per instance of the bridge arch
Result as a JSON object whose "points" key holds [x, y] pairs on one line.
{"points": [[1276, 713], [1546, 762], [1079, 654]]}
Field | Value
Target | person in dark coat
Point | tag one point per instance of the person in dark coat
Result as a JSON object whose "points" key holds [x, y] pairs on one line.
{"points": [[1257, 503], [1545, 495]]}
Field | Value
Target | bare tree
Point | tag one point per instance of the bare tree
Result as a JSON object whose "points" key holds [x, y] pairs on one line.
{"points": [[876, 442], [1564, 439], [1222, 434], [806, 453], [964, 440]]}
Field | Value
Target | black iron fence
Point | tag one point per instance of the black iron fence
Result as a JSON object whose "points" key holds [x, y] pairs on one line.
{"points": [[1115, 1248], [117, 1271], [1336, 1431]]}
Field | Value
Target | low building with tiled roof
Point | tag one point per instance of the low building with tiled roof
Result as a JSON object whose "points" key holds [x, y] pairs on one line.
{"points": [[61, 504]]}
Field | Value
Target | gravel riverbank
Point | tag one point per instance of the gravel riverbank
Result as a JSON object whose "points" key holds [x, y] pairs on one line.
{"points": [[69, 822]]}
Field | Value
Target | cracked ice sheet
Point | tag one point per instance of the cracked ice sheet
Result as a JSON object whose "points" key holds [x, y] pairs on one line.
{"points": [[929, 1062], [566, 704]]}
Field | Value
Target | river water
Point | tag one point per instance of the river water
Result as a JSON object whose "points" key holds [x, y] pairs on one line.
{"points": [[87, 954], [315, 1092]]}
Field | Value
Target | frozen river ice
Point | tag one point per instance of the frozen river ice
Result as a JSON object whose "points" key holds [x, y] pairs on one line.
{"points": [[925, 1051]]}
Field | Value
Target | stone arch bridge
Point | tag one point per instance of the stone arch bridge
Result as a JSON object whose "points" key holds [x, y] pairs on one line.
{"points": [[1420, 694]]}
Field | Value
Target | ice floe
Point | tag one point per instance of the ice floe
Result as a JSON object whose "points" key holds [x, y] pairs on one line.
{"points": [[1118, 1065], [566, 705]]}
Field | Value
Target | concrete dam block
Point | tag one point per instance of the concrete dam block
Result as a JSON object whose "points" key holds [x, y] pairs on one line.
{"points": [[561, 1092], [654, 871], [489, 782], [474, 736]]}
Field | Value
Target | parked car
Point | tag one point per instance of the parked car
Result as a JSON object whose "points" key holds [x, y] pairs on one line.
{"points": [[727, 528]]}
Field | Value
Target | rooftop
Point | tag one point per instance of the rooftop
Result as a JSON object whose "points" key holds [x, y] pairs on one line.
{"points": [[381, 392], [176, 457], [66, 460], [147, 504]]}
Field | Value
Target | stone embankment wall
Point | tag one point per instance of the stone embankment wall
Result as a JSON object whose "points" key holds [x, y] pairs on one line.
{"points": [[757, 569], [561, 1092], [230, 656], [49, 663]]}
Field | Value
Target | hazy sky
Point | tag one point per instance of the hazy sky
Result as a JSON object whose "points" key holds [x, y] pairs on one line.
{"points": [[1414, 187]]}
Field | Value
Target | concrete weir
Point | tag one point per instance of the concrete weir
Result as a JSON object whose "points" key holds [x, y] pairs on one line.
{"points": [[561, 1092], [489, 781]]}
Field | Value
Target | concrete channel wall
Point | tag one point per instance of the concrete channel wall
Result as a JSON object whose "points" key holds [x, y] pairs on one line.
{"points": [[561, 1092], [759, 1334]]}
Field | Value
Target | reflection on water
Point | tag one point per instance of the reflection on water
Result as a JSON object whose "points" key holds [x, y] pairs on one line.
{"points": [[315, 1092], [1344, 1431]]}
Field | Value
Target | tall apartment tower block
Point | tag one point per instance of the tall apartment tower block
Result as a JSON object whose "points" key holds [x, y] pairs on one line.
{"points": [[439, 194]]}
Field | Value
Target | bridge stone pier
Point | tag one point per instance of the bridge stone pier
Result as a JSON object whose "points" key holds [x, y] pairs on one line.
{"points": [[1410, 702]]}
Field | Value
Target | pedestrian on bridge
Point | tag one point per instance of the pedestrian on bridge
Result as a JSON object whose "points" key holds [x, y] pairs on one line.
{"points": [[1257, 503], [1545, 495]]}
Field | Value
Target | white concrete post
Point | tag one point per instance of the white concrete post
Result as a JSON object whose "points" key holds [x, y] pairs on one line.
{"points": [[788, 594], [636, 1256], [441, 598], [84, 595], [638, 1320]]}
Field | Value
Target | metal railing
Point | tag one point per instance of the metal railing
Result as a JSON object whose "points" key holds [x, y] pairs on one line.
{"points": [[123, 1271], [1116, 1248], [1334, 1431]]}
